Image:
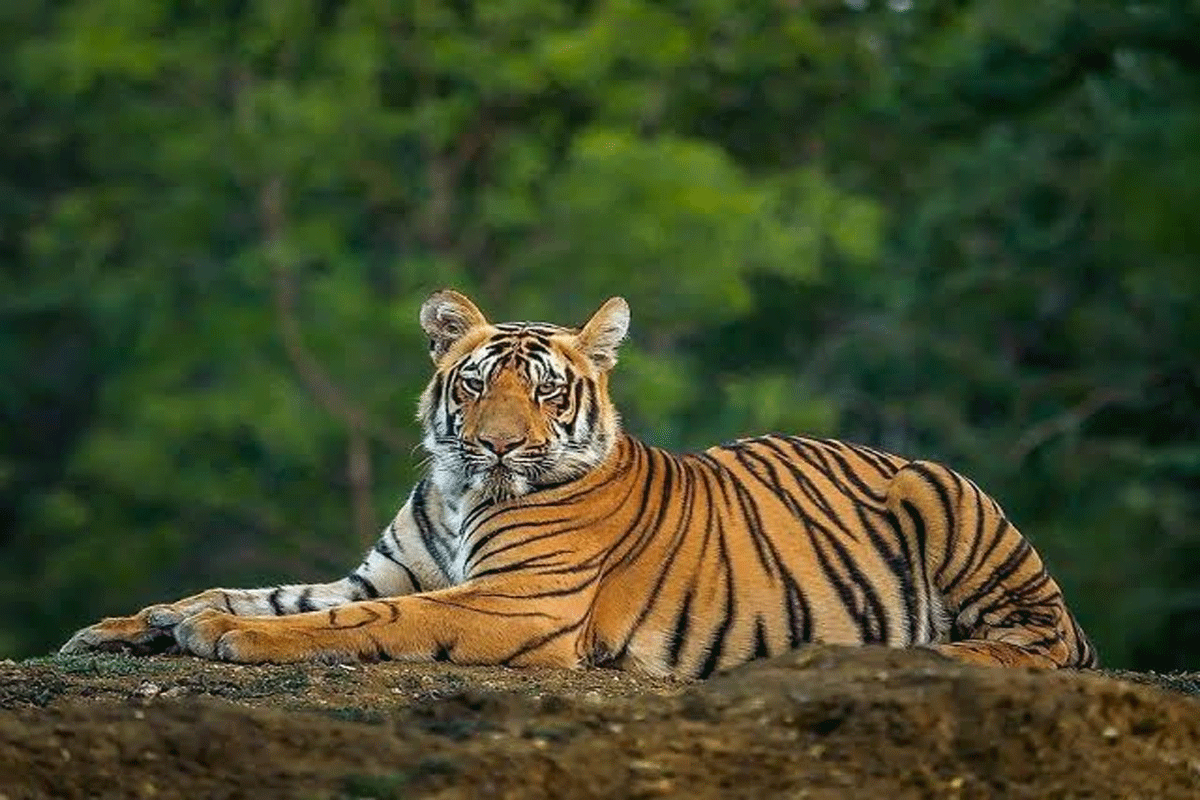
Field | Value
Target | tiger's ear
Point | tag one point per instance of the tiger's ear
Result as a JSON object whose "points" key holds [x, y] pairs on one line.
{"points": [[603, 333], [446, 316]]}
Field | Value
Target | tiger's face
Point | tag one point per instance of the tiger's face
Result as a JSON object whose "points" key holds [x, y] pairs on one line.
{"points": [[514, 407]]}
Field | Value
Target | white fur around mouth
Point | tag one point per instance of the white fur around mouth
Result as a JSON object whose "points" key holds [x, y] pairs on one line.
{"points": [[501, 482]]}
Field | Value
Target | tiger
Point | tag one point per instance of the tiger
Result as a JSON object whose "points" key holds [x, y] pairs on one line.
{"points": [[543, 535]]}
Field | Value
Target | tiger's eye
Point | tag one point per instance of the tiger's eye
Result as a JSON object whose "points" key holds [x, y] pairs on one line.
{"points": [[472, 384], [548, 389]]}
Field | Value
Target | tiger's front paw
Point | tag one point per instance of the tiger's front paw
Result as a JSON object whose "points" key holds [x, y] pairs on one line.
{"points": [[225, 637], [146, 633], [200, 634]]}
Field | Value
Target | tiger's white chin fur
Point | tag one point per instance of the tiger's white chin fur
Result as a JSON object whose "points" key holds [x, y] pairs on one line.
{"points": [[499, 483]]}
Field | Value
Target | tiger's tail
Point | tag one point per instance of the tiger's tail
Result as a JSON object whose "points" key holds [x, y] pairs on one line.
{"points": [[1005, 608]]}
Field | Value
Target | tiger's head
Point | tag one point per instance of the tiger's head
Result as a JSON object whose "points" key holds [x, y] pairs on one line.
{"points": [[517, 406]]}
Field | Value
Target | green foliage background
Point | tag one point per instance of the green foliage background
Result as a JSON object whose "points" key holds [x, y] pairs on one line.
{"points": [[958, 230]]}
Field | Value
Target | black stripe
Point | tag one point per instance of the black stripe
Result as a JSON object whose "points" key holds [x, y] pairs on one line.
{"points": [[416, 584], [717, 645], [798, 611], [871, 617], [593, 412], [998, 535], [883, 463], [380, 654], [273, 599], [1001, 573], [761, 650], [304, 603], [972, 552], [643, 477], [650, 531], [440, 601], [944, 499], [1021, 599], [368, 588], [561, 591], [918, 523], [497, 347], [576, 402], [1041, 644], [749, 508], [372, 617], [920, 564], [385, 550], [434, 545], [901, 569], [476, 516], [775, 487], [516, 543], [683, 624], [516, 566], [435, 390], [917, 608], [864, 614], [541, 641], [678, 539], [819, 457], [816, 496], [521, 524]]}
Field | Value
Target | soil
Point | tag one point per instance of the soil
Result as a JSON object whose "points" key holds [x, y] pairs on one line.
{"points": [[817, 723]]}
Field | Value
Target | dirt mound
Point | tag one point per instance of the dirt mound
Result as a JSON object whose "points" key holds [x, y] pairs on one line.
{"points": [[818, 723]]}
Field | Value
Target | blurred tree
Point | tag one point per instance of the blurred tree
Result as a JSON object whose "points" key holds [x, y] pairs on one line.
{"points": [[957, 230], [266, 193], [1031, 316]]}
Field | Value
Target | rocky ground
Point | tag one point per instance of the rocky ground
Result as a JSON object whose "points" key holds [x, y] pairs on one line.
{"points": [[818, 723]]}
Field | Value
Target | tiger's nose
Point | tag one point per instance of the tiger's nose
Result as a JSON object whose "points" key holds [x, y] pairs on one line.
{"points": [[501, 443]]}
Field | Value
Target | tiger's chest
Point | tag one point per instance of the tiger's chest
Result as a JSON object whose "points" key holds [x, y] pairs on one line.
{"points": [[454, 513], [438, 532]]}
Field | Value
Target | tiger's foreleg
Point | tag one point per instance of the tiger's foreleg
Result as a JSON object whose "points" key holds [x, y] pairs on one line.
{"points": [[390, 568], [462, 625], [1005, 608], [149, 630]]}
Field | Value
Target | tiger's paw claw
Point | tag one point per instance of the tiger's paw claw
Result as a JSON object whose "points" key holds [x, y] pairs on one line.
{"points": [[119, 636]]}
